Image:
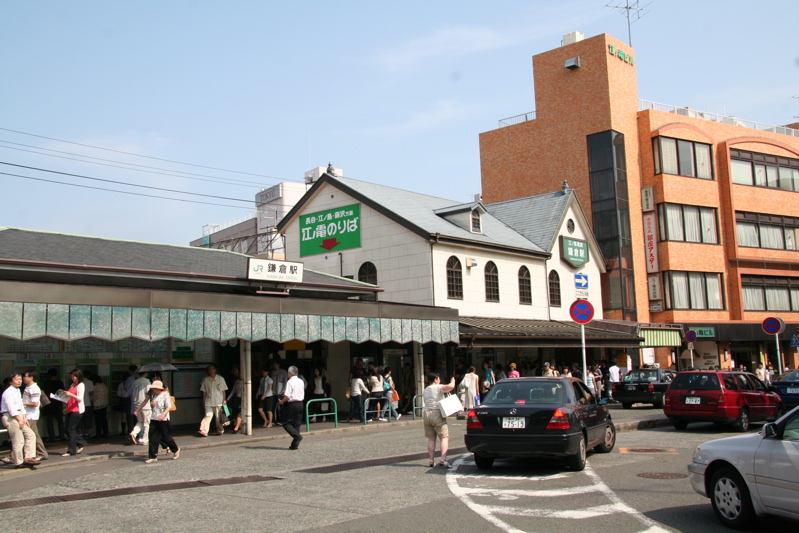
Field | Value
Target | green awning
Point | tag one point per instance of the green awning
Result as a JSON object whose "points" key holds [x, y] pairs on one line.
{"points": [[661, 337], [24, 321]]}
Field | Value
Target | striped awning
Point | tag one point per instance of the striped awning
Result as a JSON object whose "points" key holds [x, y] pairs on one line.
{"points": [[24, 321], [660, 337]]}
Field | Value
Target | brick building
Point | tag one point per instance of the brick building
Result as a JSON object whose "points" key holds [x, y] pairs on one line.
{"points": [[695, 213]]}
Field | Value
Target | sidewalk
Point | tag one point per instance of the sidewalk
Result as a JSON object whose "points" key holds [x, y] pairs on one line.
{"points": [[188, 439]]}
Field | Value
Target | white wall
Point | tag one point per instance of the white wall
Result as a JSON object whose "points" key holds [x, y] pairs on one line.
{"points": [[401, 257], [567, 272]]}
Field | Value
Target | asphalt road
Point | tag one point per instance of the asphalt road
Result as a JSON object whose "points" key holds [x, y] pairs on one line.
{"points": [[372, 480]]}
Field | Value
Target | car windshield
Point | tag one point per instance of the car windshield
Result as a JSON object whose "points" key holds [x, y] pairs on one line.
{"points": [[694, 380], [793, 375], [527, 392], [641, 375]]}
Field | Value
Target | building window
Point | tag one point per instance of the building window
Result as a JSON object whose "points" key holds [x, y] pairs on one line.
{"points": [[525, 287], [774, 232], [688, 223], [454, 279], [682, 158], [766, 293], [692, 290], [492, 282], [554, 289], [761, 170], [368, 273], [476, 227]]}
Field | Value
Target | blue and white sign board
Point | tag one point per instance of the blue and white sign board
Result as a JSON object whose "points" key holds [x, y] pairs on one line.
{"points": [[795, 342], [581, 281]]}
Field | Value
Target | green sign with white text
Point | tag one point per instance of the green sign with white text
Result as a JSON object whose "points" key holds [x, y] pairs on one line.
{"points": [[330, 231], [573, 251]]}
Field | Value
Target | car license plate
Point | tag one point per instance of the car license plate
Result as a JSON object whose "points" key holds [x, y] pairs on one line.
{"points": [[513, 422], [792, 391], [631, 387], [695, 400]]}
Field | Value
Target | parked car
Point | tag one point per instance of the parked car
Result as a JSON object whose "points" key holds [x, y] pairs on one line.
{"points": [[539, 417], [736, 398], [751, 475], [787, 386], [647, 385]]}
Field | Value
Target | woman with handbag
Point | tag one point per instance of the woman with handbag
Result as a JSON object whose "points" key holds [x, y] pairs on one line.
{"points": [[376, 393], [318, 388], [470, 388], [388, 391], [488, 378], [435, 424]]}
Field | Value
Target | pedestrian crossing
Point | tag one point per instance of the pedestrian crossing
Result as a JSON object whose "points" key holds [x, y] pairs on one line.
{"points": [[539, 500]]}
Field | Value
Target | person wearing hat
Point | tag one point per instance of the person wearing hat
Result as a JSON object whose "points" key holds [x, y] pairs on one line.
{"points": [[513, 373], [160, 429], [547, 372]]}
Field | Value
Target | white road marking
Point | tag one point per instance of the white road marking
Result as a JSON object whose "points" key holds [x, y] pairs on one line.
{"points": [[495, 514]]}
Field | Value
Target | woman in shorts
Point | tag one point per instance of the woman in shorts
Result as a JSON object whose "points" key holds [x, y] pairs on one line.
{"points": [[435, 425]]}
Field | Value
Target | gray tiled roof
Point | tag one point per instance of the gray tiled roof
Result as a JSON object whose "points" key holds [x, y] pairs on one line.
{"points": [[59, 248], [420, 211], [535, 217], [470, 325]]}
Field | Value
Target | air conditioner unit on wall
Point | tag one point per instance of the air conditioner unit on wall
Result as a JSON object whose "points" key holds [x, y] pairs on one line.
{"points": [[471, 262]]}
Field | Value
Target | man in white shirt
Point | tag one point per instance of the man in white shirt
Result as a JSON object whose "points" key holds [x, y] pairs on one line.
{"points": [[23, 440], [614, 375], [292, 400], [213, 388], [138, 393], [31, 399]]}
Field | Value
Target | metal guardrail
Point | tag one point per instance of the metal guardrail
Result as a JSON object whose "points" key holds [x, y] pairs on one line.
{"points": [[377, 411], [414, 407], [644, 105], [332, 412], [518, 119]]}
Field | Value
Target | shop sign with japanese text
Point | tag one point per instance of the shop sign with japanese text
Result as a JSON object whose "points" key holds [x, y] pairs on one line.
{"points": [[573, 251], [330, 231], [272, 270], [651, 243]]}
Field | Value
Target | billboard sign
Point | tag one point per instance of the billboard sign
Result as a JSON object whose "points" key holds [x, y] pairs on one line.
{"points": [[330, 231]]}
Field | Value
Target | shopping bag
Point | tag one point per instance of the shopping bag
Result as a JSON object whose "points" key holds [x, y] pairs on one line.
{"points": [[324, 407], [450, 405]]}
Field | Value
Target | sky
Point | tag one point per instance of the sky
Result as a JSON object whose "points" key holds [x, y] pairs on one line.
{"points": [[222, 99]]}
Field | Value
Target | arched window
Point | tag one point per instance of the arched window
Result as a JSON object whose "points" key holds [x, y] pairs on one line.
{"points": [[368, 273], [525, 288], [554, 289], [492, 282], [454, 279], [476, 226]]}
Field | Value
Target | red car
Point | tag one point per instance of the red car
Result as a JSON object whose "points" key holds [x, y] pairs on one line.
{"points": [[736, 398]]}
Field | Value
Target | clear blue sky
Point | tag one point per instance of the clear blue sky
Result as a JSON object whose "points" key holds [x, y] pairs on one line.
{"points": [[392, 92]]}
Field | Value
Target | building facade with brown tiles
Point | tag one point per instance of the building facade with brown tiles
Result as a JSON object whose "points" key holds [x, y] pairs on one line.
{"points": [[696, 213]]}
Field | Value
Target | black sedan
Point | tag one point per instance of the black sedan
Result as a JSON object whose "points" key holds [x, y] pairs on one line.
{"points": [[646, 385], [539, 417], [787, 386]]}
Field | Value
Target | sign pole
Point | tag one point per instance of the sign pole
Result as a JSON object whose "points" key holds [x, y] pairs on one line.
{"points": [[585, 364], [692, 357], [779, 356]]}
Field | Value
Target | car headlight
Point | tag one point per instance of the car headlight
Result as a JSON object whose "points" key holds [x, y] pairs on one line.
{"points": [[698, 455]]}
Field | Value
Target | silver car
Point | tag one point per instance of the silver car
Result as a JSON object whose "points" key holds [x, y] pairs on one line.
{"points": [[751, 475]]}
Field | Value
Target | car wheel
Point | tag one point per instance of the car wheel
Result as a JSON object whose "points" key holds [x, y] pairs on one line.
{"points": [[680, 424], [483, 462], [577, 462], [742, 424], [626, 405], [610, 439], [731, 500]]}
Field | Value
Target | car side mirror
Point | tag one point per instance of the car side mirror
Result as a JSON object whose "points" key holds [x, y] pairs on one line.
{"points": [[770, 431]]}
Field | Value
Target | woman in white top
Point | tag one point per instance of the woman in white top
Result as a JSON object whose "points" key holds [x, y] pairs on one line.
{"points": [[266, 396], [160, 428], [470, 387], [435, 425], [318, 389], [375, 393], [75, 410]]}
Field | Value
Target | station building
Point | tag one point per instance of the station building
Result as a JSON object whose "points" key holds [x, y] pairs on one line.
{"points": [[510, 269], [101, 305], [695, 213]]}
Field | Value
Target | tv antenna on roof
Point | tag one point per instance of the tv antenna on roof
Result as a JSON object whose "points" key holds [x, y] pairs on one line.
{"points": [[633, 13]]}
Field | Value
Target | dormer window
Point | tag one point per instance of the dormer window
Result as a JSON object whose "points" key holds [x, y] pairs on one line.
{"points": [[476, 226]]}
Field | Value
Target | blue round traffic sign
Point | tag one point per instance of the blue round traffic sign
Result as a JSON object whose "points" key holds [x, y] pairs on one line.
{"points": [[581, 311], [773, 325], [690, 335]]}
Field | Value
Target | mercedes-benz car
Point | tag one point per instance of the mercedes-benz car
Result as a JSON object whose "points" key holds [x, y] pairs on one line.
{"points": [[787, 386], [539, 417], [751, 475]]}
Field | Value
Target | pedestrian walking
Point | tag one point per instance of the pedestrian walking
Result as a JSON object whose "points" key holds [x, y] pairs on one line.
{"points": [[23, 440], [139, 433], [265, 396], [75, 410], [160, 432], [213, 388], [32, 400], [389, 394], [435, 425], [358, 393], [471, 389], [292, 400]]}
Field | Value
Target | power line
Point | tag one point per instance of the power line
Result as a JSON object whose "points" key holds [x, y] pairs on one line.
{"points": [[124, 183], [122, 192], [145, 156], [226, 182]]}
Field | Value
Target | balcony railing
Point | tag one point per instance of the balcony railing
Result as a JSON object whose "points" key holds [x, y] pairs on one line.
{"points": [[735, 121], [518, 119]]}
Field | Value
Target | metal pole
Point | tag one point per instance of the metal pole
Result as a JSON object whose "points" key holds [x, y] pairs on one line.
{"points": [[692, 357], [779, 357], [585, 365], [245, 366]]}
